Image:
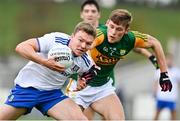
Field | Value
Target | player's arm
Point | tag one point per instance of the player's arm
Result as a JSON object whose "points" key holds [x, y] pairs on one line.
{"points": [[147, 41], [148, 55], [29, 48]]}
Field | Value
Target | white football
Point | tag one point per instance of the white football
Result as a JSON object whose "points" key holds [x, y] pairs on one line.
{"points": [[62, 54]]}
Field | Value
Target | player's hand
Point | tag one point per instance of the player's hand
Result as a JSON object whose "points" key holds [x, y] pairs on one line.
{"points": [[53, 65], [90, 74], [153, 60], [81, 84], [165, 82]]}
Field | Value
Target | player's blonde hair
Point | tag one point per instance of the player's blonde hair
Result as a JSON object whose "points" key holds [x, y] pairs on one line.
{"points": [[86, 27], [121, 17]]}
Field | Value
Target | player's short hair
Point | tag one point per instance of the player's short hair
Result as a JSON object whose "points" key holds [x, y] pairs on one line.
{"points": [[86, 27], [121, 17], [90, 2]]}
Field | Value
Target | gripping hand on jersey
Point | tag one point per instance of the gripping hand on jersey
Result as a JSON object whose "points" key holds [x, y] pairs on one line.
{"points": [[165, 82], [90, 74], [86, 77]]}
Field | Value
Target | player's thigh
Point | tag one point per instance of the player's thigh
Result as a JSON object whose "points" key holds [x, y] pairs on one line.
{"points": [[110, 107], [8, 112], [89, 113], [67, 109]]}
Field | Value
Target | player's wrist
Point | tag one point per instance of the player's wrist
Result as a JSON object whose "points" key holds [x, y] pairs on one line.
{"points": [[153, 60]]}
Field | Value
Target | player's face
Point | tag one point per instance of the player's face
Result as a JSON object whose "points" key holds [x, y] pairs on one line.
{"points": [[81, 42], [90, 14], [115, 32]]}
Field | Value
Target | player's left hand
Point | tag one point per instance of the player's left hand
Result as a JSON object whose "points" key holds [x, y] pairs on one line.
{"points": [[90, 74], [81, 84], [165, 82]]}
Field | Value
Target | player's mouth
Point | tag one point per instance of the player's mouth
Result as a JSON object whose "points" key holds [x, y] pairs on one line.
{"points": [[111, 37], [80, 51]]}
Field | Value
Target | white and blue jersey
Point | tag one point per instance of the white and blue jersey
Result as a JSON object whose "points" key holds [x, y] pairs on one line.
{"points": [[168, 99], [38, 86], [41, 77]]}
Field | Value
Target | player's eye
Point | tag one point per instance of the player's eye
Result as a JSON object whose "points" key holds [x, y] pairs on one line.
{"points": [[111, 26], [93, 11], [86, 11]]}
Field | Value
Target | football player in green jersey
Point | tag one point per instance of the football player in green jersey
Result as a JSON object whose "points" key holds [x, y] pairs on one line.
{"points": [[112, 43], [90, 12]]}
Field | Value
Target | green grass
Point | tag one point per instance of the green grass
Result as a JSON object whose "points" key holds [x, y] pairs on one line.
{"points": [[26, 19]]}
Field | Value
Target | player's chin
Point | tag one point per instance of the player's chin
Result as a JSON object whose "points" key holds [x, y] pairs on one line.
{"points": [[79, 53]]}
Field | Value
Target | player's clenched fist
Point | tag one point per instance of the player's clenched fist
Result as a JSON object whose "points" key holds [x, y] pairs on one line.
{"points": [[90, 74], [165, 82]]}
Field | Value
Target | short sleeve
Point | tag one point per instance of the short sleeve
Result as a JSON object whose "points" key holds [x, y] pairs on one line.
{"points": [[45, 42]]}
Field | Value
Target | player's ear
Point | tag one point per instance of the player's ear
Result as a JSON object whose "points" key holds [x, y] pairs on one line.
{"points": [[72, 35], [127, 30], [99, 15], [81, 16]]}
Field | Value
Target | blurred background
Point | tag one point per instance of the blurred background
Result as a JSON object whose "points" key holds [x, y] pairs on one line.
{"points": [[24, 19]]}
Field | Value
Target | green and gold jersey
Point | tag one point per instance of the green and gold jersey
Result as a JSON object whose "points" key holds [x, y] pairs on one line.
{"points": [[106, 54]]}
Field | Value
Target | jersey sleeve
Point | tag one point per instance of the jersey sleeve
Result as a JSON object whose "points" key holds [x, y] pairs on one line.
{"points": [[45, 42], [52, 39], [99, 38], [85, 64], [140, 39]]}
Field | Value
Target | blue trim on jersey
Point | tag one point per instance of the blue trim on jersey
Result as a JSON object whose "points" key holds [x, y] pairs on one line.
{"points": [[86, 60], [30, 97], [61, 40], [38, 44]]}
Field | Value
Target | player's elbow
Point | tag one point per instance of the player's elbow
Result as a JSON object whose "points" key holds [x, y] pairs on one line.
{"points": [[18, 48], [154, 43]]}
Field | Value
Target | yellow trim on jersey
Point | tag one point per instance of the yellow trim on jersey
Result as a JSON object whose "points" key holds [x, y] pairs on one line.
{"points": [[68, 86], [140, 39], [99, 38]]}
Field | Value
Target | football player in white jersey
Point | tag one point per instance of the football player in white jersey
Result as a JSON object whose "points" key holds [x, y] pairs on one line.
{"points": [[167, 99], [39, 83]]}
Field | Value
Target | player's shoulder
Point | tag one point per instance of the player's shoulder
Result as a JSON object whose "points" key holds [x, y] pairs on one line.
{"points": [[84, 60], [128, 38], [56, 35], [60, 35], [138, 34], [101, 29]]}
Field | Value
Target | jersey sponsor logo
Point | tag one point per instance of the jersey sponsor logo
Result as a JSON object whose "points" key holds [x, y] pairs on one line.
{"points": [[106, 60], [63, 58]]}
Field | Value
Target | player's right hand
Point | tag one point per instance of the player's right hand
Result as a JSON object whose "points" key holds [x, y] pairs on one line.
{"points": [[81, 84], [165, 82], [90, 74], [53, 65]]}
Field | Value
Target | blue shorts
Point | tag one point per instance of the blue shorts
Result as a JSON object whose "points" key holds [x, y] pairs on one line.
{"points": [[30, 97], [166, 104]]}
